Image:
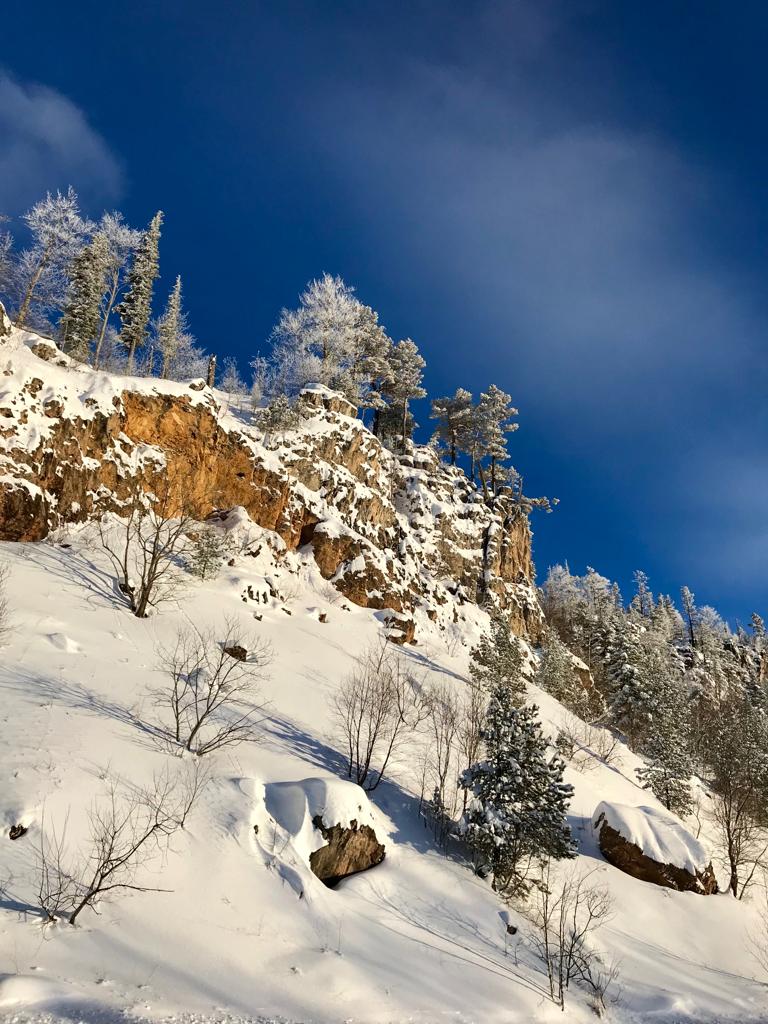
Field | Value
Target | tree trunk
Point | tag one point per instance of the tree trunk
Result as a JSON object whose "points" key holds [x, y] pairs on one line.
{"points": [[104, 324], [21, 316]]}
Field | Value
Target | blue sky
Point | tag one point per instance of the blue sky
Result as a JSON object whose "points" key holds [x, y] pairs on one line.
{"points": [[566, 199]]}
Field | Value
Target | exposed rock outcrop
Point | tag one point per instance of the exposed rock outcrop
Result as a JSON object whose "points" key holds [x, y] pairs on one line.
{"points": [[388, 532], [348, 851], [673, 858]]}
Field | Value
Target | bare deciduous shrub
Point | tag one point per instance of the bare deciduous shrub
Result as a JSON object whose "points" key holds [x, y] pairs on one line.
{"points": [[376, 707], [470, 728], [586, 746], [210, 693], [443, 725], [127, 829], [144, 547], [567, 912]]}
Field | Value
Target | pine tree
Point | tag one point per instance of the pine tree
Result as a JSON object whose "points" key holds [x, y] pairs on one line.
{"points": [[557, 675], [231, 381], [404, 383], [519, 800], [642, 602], [452, 414], [630, 701], [689, 614], [58, 232], [668, 747], [122, 243], [170, 328], [136, 308], [82, 312], [494, 417], [497, 660], [207, 552]]}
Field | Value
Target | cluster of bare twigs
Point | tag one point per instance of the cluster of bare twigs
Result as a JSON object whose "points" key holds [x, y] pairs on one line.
{"points": [[128, 827], [377, 706], [567, 912], [210, 687]]}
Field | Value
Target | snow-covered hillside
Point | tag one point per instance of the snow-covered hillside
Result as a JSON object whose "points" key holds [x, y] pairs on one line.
{"points": [[240, 927]]}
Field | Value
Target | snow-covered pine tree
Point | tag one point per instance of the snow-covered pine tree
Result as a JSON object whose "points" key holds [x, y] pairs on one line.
{"points": [[668, 748], [122, 242], [231, 381], [406, 367], [689, 614], [6, 262], [494, 416], [496, 660], [451, 414], [642, 603], [517, 811], [58, 232], [170, 328], [630, 701], [557, 675], [136, 308], [81, 316]]}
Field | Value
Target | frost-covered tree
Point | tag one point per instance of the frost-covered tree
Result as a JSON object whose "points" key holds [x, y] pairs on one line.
{"points": [[58, 232], [404, 384], [136, 308], [642, 603], [689, 614], [122, 241], [494, 420], [452, 414], [518, 805], [331, 338], [557, 675], [81, 316], [496, 660], [667, 748], [231, 381], [6, 262], [170, 328]]}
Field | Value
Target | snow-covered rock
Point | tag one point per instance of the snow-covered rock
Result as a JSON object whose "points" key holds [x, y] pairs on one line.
{"points": [[654, 846]]}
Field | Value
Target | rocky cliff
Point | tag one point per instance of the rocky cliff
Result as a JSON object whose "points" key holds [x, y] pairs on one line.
{"points": [[400, 533]]}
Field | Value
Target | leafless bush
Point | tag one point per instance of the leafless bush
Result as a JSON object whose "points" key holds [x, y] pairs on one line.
{"points": [[127, 829], [5, 611], [586, 746], [742, 837], [328, 592], [471, 723], [210, 693], [377, 706], [567, 912], [144, 547], [444, 724]]}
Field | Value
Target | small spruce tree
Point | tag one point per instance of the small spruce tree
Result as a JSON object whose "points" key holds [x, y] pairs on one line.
{"points": [[207, 551], [497, 660], [518, 805]]}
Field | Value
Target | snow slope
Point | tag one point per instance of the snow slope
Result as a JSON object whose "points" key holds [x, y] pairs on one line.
{"points": [[246, 930]]}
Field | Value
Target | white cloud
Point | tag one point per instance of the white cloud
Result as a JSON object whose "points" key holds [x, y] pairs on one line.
{"points": [[46, 143]]}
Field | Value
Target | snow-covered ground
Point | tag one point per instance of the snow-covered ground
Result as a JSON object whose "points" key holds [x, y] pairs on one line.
{"points": [[246, 931]]}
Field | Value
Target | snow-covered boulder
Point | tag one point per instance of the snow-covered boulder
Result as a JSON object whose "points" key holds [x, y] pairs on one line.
{"points": [[329, 823], [654, 846]]}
